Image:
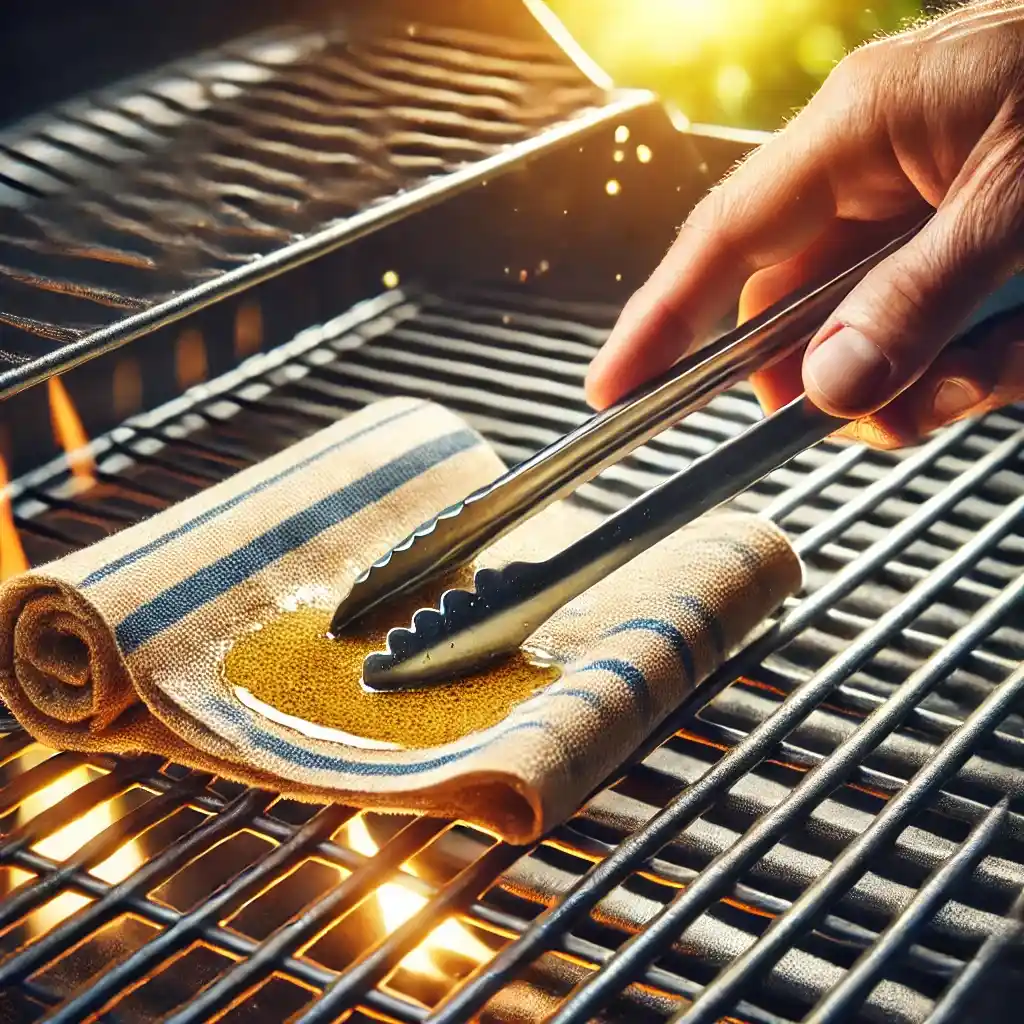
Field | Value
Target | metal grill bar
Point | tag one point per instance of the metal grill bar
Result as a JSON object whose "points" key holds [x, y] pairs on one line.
{"points": [[831, 502], [738, 761], [863, 976], [285, 941], [769, 905], [815, 785], [348, 990], [33, 895], [238, 165], [228, 898], [16, 968], [955, 805], [950, 756], [127, 896], [953, 1002]]}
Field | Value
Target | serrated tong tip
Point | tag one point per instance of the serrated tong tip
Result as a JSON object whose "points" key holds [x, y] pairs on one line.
{"points": [[390, 574], [507, 605], [434, 646]]}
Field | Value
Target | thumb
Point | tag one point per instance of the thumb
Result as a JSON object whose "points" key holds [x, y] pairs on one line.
{"points": [[886, 333]]}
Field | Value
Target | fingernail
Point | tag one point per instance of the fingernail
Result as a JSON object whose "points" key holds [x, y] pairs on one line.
{"points": [[848, 369], [952, 399]]}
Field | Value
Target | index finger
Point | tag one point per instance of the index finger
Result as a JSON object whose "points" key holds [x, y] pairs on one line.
{"points": [[774, 205]]}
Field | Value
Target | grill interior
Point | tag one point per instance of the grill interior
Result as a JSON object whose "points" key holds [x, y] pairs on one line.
{"points": [[120, 207], [237, 155], [828, 829], [902, 551]]}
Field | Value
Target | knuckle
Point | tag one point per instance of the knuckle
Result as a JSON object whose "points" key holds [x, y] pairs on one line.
{"points": [[990, 221], [969, 233], [857, 86], [707, 213], [899, 294], [857, 70], [712, 217], [1015, 188]]}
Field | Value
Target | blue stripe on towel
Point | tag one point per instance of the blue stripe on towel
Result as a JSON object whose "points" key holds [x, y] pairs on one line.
{"points": [[305, 758], [133, 556], [628, 673], [663, 629], [208, 583], [707, 619], [587, 696]]}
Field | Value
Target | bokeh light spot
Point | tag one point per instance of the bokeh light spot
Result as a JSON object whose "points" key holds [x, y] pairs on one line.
{"points": [[819, 49], [732, 86]]}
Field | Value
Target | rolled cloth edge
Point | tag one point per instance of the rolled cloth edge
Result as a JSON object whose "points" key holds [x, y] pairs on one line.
{"points": [[138, 727], [134, 716], [118, 648], [128, 721]]}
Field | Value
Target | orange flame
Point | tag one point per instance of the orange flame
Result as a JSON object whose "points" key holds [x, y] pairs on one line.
{"points": [[190, 364], [69, 432], [12, 554], [248, 329], [65, 841], [397, 904]]}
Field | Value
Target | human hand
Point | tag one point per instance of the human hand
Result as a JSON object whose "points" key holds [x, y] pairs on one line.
{"points": [[933, 117]]}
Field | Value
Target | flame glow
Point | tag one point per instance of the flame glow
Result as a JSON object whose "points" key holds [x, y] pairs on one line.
{"points": [[12, 554], [746, 63], [398, 904], [552, 24], [127, 387], [63, 843], [69, 432], [673, 31], [248, 329], [190, 364]]}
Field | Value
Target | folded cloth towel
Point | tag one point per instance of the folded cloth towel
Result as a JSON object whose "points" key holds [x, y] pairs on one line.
{"points": [[120, 647]]}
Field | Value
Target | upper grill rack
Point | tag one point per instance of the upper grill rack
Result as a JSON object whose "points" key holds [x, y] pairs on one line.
{"points": [[120, 212], [772, 796]]}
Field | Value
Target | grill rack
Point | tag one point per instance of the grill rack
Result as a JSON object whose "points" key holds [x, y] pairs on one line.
{"points": [[959, 817], [127, 210]]}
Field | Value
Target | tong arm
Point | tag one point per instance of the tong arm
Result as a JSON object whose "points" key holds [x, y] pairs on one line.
{"points": [[460, 532]]}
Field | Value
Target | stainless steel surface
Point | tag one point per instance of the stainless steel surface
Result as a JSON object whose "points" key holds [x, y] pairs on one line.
{"points": [[458, 533], [507, 605], [158, 197]]}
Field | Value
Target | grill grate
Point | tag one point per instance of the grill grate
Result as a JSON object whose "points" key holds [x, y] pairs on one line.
{"points": [[155, 190], [771, 834]]}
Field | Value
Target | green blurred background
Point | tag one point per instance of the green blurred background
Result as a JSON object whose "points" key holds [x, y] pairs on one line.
{"points": [[747, 63]]}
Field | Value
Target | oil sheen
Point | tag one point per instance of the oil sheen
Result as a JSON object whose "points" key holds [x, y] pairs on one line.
{"points": [[291, 664]]}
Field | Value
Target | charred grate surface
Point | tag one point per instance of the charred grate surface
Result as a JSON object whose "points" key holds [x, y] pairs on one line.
{"points": [[828, 829], [111, 206]]}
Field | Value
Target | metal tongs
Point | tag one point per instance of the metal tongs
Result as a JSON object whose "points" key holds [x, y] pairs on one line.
{"points": [[469, 628]]}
